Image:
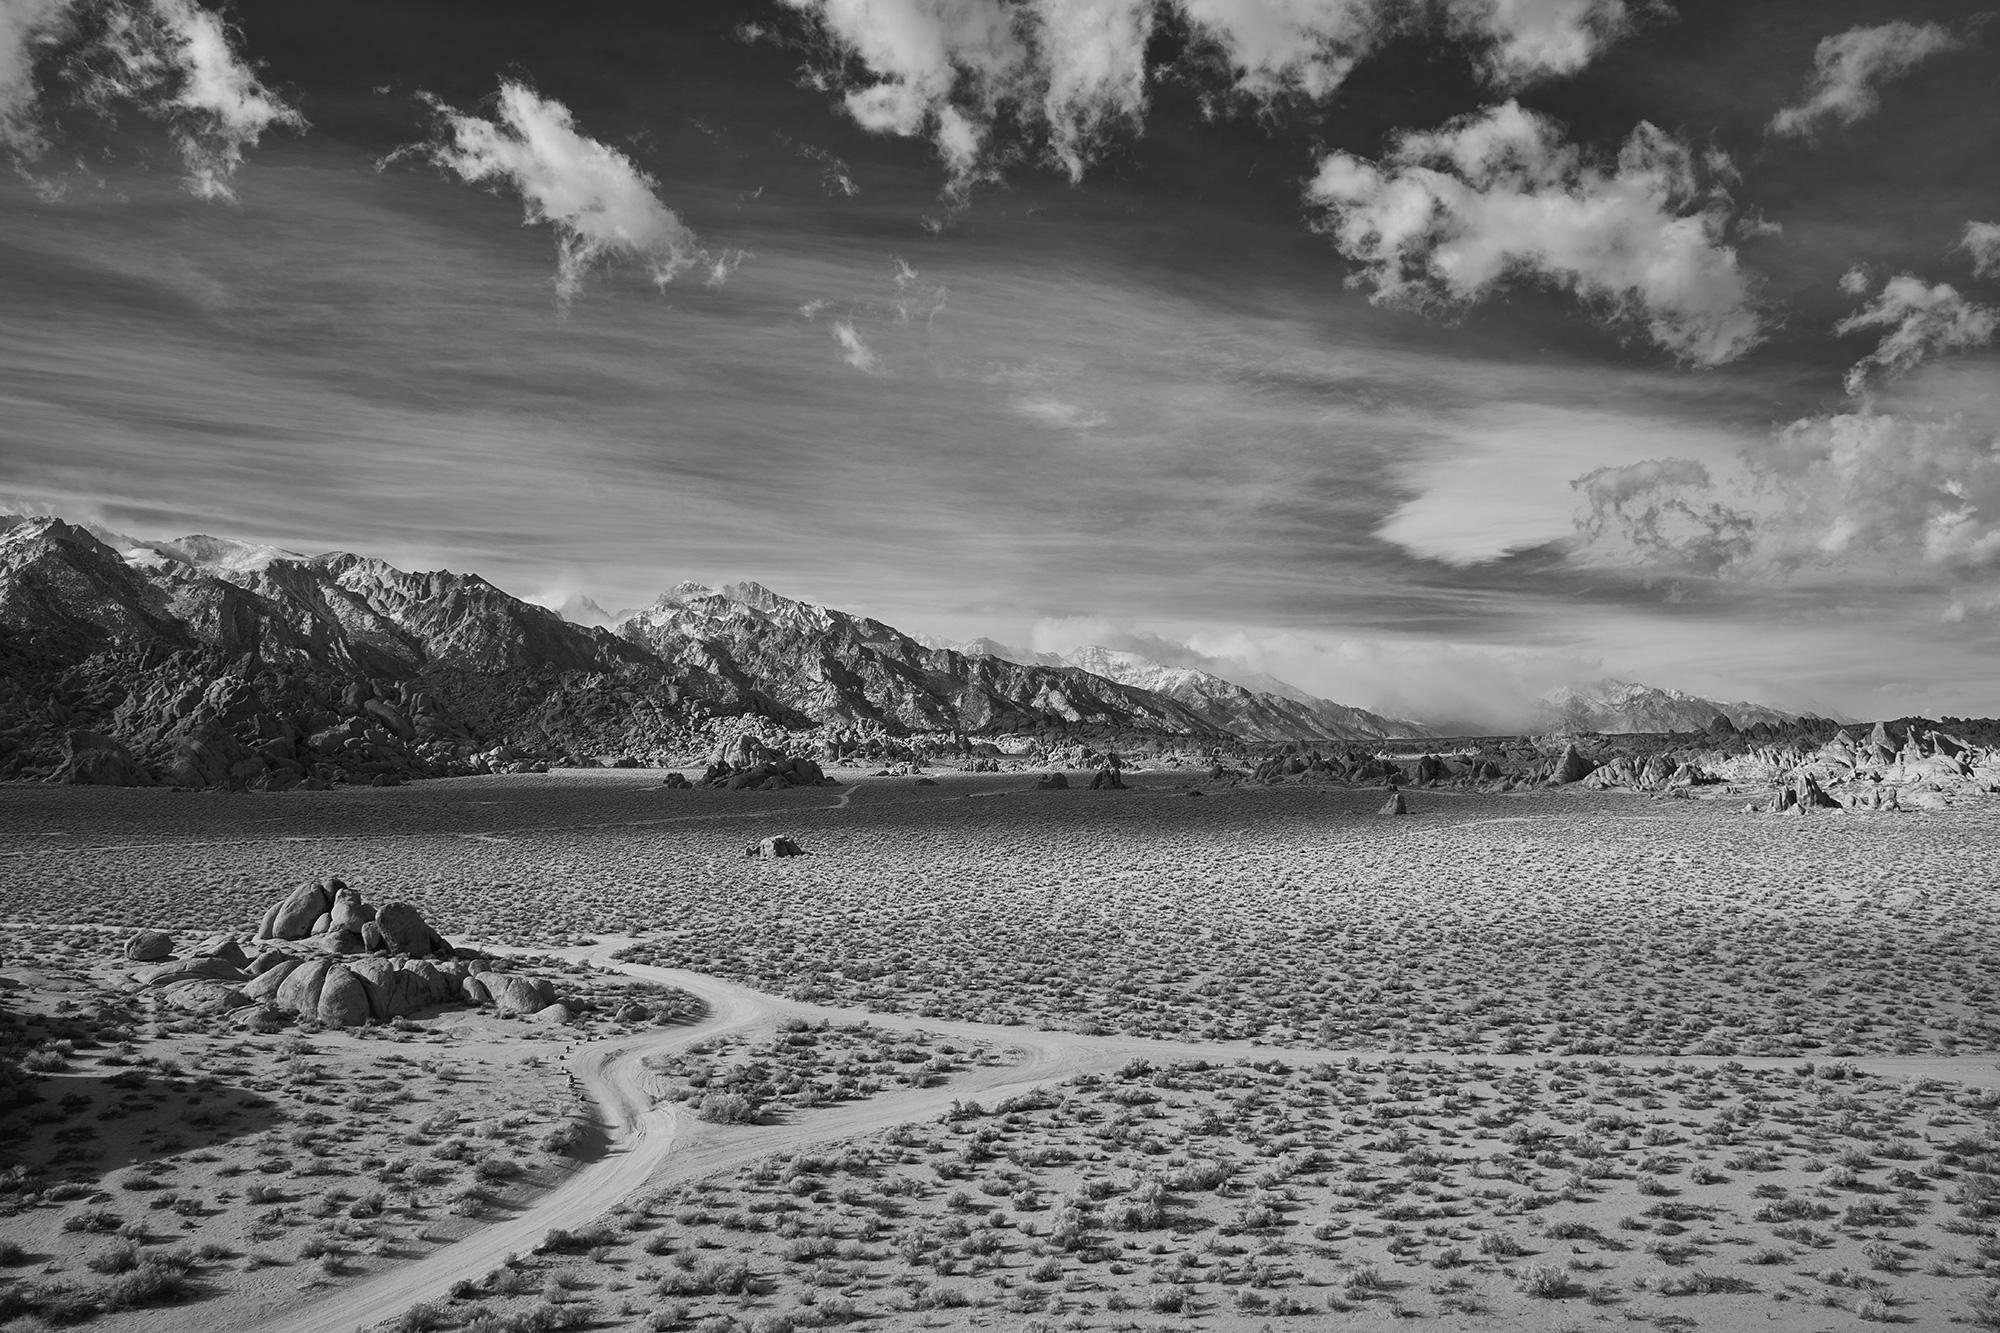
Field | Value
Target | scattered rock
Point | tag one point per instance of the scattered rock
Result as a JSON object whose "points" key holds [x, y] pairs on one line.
{"points": [[676, 781], [770, 849], [1052, 782], [149, 946], [1106, 779], [1395, 805]]}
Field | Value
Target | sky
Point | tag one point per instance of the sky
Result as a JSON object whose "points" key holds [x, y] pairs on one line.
{"points": [[1427, 355]]}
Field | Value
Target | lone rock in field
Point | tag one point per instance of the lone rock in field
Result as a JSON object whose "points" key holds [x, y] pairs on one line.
{"points": [[149, 946], [770, 849], [1395, 805]]}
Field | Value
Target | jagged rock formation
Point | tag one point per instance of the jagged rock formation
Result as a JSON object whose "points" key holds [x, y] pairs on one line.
{"points": [[1619, 707]]}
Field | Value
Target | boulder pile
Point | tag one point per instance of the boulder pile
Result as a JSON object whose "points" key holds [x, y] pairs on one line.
{"points": [[322, 954], [745, 763]]}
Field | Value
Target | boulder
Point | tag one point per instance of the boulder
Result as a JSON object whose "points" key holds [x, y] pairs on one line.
{"points": [[349, 912], [405, 931], [191, 969], [294, 916], [518, 995], [475, 991], [224, 947], [342, 1001], [264, 986], [1807, 795], [371, 937], [554, 1013], [203, 997], [1571, 767], [345, 942], [677, 781], [1106, 779], [1052, 782], [770, 849], [1395, 805], [149, 946], [267, 960], [299, 992], [94, 760]]}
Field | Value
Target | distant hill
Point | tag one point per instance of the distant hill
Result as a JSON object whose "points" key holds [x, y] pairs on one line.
{"points": [[1616, 706], [1249, 714]]}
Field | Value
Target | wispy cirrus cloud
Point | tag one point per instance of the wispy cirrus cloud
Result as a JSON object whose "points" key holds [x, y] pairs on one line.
{"points": [[600, 204], [854, 349], [1849, 67], [175, 61], [1448, 216]]}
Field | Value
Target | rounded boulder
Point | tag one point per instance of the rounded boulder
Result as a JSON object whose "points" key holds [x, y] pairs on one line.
{"points": [[149, 946]]}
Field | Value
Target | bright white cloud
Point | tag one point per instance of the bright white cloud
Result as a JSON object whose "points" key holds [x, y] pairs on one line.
{"points": [[854, 350], [1450, 215], [174, 60], [1982, 242], [1533, 39], [1865, 496], [599, 203], [1073, 72], [1848, 67], [1921, 320]]}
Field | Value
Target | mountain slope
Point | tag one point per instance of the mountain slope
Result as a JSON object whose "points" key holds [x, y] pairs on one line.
{"points": [[829, 666], [1250, 714], [1616, 706]]}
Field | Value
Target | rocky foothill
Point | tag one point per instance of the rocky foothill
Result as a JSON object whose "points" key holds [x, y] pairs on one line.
{"points": [[1909, 766], [322, 954]]}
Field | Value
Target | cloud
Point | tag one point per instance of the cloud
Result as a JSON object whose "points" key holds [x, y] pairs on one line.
{"points": [[1982, 242], [1450, 215], [1533, 39], [854, 351], [1072, 73], [1865, 496], [27, 28], [1922, 322], [601, 205], [1847, 67], [175, 61]]}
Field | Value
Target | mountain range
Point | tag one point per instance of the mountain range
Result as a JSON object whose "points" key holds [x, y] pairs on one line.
{"points": [[1620, 706], [208, 660]]}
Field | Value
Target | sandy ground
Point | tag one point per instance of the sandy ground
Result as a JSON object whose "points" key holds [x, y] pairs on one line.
{"points": [[1504, 928]]}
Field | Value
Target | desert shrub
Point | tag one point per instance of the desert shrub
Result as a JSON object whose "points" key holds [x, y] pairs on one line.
{"points": [[727, 1108], [12, 1255], [423, 1317], [1545, 1282], [118, 1257], [151, 1283], [99, 1220]]}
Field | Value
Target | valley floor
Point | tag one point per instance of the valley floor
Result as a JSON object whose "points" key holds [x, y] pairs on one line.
{"points": [[1133, 1059]]}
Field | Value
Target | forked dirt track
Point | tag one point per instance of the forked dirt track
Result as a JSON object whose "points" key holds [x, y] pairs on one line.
{"points": [[662, 1144]]}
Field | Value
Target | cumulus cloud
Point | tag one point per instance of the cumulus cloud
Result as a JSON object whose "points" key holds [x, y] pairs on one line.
{"points": [[1848, 67], [1533, 39], [1982, 242], [1073, 72], [1921, 320], [175, 61], [1449, 215], [854, 350], [599, 203], [1661, 511]]}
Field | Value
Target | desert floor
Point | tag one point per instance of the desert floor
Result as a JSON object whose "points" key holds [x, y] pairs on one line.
{"points": [[1136, 1059]]}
